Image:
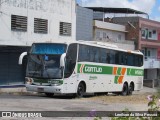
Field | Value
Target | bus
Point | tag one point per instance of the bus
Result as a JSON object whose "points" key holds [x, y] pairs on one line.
{"points": [[82, 67]]}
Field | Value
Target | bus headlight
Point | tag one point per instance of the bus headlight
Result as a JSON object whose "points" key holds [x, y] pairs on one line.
{"points": [[29, 80]]}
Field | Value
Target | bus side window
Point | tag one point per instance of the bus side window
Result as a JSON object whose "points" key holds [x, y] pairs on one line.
{"points": [[94, 54], [140, 60], [123, 58], [112, 57], [71, 58], [103, 55], [84, 53], [136, 60], [130, 60], [117, 58], [108, 58]]}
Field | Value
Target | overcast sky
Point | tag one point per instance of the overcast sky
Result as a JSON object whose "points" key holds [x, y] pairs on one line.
{"points": [[152, 7]]}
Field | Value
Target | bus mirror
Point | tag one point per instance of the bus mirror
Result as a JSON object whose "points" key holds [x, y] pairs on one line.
{"points": [[21, 58], [62, 59]]}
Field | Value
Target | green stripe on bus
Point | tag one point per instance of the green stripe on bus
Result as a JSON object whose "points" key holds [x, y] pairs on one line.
{"points": [[95, 69], [116, 79], [135, 72], [119, 71]]}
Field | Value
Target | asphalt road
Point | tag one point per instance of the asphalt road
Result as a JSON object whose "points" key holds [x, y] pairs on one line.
{"points": [[39, 102]]}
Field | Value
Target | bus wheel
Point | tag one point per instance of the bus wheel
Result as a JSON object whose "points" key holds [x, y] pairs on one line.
{"points": [[130, 90], [80, 90], [49, 94], [125, 90]]}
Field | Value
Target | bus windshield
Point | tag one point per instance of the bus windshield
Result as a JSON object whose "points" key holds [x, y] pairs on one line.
{"points": [[44, 61]]}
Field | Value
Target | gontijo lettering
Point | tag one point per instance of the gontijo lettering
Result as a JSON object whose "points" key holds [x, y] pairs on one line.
{"points": [[93, 69]]}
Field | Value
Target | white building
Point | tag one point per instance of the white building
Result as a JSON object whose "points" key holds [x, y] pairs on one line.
{"points": [[23, 22], [112, 33]]}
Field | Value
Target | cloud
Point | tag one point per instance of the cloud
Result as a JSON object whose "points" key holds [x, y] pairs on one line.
{"points": [[141, 5]]}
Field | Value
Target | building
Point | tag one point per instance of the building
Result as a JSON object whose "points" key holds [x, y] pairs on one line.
{"points": [[112, 33], [84, 24], [146, 34], [97, 30], [24, 22]]}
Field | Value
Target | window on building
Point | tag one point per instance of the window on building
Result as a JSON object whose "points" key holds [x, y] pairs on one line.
{"points": [[149, 34], [104, 35], [98, 35], [143, 33], [65, 28], [40, 26], [18, 23], [119, 37]]}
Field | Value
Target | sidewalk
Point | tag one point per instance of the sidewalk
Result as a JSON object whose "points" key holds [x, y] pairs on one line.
{"points": [[13, 90], [146, 90]]}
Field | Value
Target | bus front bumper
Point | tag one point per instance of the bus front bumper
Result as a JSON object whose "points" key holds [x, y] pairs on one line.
{"points": [[44, 89]]}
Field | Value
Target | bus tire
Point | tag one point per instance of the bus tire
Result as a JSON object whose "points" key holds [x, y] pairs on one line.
{"points": [[124, 90], [49, 94], [80, 90], [131, 89]]}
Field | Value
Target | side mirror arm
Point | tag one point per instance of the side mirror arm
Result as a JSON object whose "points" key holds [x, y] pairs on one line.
{"points": [[62, 60], [21, 58]]}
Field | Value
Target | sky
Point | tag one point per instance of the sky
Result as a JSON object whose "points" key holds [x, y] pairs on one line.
{"points": [[152, 7]]}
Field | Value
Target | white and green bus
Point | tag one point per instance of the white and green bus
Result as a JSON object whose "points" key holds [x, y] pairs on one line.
{"points": [[82, 67]]}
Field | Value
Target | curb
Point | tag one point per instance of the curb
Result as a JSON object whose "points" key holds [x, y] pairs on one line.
{"points": [[19, 90]]}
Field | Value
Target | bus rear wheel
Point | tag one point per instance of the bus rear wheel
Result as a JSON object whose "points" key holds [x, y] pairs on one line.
{"points": [[80, 90], [124, 90]]}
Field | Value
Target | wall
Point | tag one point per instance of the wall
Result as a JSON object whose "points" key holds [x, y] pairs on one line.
{"points": [[110, 35], [151, 74], [132, 26], [53, 10], [84, 24]]}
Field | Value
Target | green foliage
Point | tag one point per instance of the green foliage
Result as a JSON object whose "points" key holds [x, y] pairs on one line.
{"points": [[153, 107]]}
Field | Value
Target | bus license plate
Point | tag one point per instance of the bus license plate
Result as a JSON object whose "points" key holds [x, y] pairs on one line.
{"points": [[40, 89]]}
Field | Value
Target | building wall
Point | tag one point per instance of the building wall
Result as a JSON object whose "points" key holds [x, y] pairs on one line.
{"points": [[14, 42], [108, 35], [151, 74], [55, 11], [132, 26], [149, 26], [112, 33], [84, 24]]}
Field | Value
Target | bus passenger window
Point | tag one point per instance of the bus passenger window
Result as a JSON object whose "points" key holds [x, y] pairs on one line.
{"points": [[108, 58]]}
